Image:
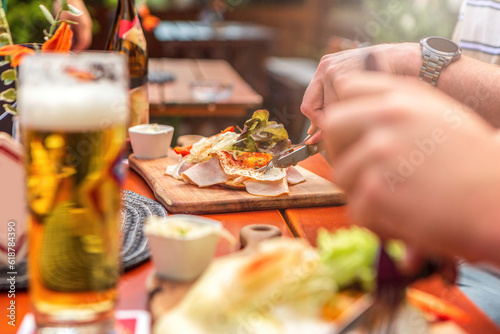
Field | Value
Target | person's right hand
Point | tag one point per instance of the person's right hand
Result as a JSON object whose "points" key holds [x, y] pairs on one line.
{"points": [[401, 58], [416, 165]]}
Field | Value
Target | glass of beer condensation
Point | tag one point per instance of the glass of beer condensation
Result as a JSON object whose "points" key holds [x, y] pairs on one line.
{"points": [[73, 110]]}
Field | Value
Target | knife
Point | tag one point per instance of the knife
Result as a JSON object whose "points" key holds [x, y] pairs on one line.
{"points": [[300, 153], [293, 156]]}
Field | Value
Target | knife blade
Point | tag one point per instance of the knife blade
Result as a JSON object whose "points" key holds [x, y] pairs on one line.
{"points": [[298, 154]]}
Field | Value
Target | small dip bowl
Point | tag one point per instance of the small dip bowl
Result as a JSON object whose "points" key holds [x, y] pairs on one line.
{"points": [[151, 141], [182, 246]]}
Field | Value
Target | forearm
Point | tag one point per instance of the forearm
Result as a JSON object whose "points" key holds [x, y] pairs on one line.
{"points": [[470, 81], [476, 84]]}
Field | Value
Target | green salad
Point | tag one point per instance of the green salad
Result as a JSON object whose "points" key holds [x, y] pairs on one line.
{"points": [[350, 254]]}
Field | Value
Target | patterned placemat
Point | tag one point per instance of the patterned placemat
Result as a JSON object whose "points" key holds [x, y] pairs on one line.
{"points": [[136, 208]]}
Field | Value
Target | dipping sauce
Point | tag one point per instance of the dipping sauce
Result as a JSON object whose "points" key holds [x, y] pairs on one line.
{"points": [[179, 227], [184, 227], [151, 128]]}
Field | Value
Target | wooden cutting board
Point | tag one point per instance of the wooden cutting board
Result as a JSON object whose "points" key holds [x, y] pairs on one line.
{"points": [[179, 197]]}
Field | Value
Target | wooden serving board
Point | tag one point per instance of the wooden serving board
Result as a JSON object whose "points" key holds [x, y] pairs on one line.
{"points": [[179, 197]]}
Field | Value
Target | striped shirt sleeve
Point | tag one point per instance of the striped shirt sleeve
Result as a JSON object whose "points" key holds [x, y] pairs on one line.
{"points": [[478, 30]]}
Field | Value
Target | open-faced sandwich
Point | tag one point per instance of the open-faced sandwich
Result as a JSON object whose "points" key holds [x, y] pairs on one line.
{"points": [[235, 160]]}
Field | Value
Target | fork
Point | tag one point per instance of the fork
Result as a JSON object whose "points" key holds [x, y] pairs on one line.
{"points": [[391, 289], [377, 315]]}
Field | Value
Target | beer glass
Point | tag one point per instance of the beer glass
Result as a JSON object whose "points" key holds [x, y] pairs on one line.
{"points": [[73, 110]]}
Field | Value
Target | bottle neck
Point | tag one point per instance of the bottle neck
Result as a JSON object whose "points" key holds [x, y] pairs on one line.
{"points": [[125, 19], [126, 10]]}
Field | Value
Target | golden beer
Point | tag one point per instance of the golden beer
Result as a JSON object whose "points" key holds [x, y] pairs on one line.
{"points": [[74, 174]]}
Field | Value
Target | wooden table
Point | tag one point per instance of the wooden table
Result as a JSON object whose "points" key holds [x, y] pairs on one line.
{"points": [[302, 222], [174, 98], [244, 45]]}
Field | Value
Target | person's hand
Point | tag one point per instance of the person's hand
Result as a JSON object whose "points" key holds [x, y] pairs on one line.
{"points": [[416, 165], [83, 30], [402, 59]]}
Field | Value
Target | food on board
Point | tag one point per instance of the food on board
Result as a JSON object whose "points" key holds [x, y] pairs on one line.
{"points": [[235, 160], [288, 286]]}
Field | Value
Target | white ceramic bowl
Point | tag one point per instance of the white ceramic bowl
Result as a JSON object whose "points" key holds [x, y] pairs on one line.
{"points": [[182, 257], [151, 141]]}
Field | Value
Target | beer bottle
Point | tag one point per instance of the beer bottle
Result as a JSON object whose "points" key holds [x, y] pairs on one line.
{"points": [[126, 36]]}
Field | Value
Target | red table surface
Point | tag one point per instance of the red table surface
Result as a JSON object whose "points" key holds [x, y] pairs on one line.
{"points": [[302, 222]]}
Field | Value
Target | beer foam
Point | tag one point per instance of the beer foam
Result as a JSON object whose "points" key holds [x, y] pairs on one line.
{"points": [[74, 107], [66, 92]]}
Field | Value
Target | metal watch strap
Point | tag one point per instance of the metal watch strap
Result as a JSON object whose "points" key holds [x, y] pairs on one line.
{"points": [[431, 68]]}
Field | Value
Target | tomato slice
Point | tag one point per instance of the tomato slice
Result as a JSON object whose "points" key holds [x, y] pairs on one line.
{"points": [[183, 150], [438, 307], [228, 129]]}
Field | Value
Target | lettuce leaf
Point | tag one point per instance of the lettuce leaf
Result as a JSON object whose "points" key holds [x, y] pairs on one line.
{"points": [[261, 135], [350, 255]]}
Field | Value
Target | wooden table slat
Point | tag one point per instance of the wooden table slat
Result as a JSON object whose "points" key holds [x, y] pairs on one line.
{"points": [[305, 222], [174, 98], [177, 91], [222, 71]]}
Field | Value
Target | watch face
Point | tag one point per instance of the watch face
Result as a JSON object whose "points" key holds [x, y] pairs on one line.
{"points": [[442, 44]]}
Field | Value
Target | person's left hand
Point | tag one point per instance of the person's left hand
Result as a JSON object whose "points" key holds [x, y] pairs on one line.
{"points": [[83, 30], [416, 164]]}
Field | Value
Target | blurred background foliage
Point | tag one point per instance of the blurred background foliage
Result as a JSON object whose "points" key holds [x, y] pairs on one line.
{"points": [[180, 4], [26, 20], [382, 21], [153, 4], [373, 21], [414, 19]]}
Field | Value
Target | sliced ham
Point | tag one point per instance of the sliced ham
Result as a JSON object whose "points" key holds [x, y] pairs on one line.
{"points": [[176, 170], [184, 167], [236, 183], [293, 176], [267, 188], [206, 173], [170, 170], [240, 179]]}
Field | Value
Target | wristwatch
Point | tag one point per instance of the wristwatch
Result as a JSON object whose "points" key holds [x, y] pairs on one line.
{"points": [[437, 53]]}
